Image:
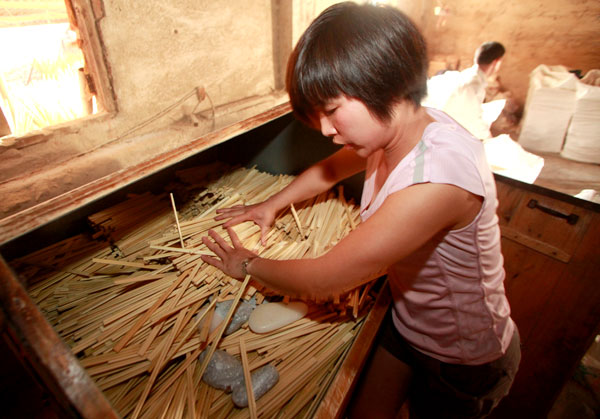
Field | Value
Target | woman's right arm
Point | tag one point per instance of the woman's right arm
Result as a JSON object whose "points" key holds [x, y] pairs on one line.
{"points": [[318, 178]]}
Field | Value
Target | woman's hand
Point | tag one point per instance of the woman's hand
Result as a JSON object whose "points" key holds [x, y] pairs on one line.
{"points": [[229, 259], [261, 214]]}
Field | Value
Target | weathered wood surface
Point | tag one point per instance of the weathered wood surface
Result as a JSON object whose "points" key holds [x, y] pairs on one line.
{"points": [[554, 296], [27, 220]]}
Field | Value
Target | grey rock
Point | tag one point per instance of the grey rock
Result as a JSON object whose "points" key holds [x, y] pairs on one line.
{"points": [[240, 315], [224, 371], [263, 379]]}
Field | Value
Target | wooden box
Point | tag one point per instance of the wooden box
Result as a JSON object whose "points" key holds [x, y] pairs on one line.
{"points": [[551, 248], [282, 146]]}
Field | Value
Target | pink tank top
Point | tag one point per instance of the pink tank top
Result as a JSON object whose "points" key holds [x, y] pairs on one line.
{"points": [[449, 299]]}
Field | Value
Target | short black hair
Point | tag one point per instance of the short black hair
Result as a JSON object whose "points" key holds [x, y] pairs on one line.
{"points": [[488, 52], [371, 53]]}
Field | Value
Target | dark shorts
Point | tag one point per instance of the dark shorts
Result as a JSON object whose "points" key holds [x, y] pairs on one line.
{"points": [[442, 390]]}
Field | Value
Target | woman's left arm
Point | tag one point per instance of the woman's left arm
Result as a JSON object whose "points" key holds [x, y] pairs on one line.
{"points": [[405, 221]]}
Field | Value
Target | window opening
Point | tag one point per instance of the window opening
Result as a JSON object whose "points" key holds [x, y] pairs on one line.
{"points": [[42, 81]]}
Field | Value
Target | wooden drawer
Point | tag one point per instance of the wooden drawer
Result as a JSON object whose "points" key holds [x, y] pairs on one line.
{"points": [[542, 223]]}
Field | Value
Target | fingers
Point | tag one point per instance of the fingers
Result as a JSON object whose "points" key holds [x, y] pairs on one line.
{"points": [[211, 260], [229, 209], [214, 247], [235, 220], [264, 230], [219, 246], [234, 238], [231, 212], [228, 259], [218, 239], [223, 216]]}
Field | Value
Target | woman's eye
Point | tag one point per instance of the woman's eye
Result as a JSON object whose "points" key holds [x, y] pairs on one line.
{"points": [[329, 112]]}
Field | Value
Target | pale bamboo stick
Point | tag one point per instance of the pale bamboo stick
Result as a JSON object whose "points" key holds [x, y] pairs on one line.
{"points": [[220, 333], [126, 263], [295, 214], [177, 220], [191, 393], [156, 370], [249, 390], [138, 324]]}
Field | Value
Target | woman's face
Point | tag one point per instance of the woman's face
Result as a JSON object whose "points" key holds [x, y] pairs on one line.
{"points": [[348, 122]]}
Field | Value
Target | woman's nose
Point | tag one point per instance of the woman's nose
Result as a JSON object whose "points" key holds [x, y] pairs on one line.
{"points": [[327, 128]]}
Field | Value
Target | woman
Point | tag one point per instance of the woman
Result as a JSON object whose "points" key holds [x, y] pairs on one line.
{"points": [[428, 211]]}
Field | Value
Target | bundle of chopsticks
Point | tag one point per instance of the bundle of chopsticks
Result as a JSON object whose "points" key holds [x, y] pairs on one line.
{"points": [[125, 298]]}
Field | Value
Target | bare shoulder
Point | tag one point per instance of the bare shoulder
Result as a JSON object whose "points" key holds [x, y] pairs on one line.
{"points": [[405, 221], [443, 205]]}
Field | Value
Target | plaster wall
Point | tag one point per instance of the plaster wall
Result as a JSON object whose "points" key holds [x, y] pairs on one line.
{"points": [[160, 50]]}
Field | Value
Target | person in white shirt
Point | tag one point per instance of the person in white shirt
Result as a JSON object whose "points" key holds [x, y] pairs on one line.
{"points": [[461, 94]]}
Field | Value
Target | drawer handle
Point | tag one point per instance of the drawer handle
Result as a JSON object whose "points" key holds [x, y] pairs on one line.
{"points": [[571, 218]]}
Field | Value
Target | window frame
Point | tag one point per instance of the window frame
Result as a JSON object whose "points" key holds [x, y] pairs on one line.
{"points": [[84, 16]]}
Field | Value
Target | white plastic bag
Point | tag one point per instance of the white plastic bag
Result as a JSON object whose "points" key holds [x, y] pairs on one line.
{"points": [[548, 108], [583, 136]]}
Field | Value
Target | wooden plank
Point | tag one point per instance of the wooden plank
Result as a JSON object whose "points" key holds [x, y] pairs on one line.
{"points": [[85, 19], [54, 362], [545, 232], [538, 245]]}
